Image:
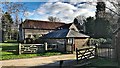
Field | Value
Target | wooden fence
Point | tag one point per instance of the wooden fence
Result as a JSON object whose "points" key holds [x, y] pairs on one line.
{"points": [[105, 51], [36, 48], [31, 48], [85, 53]]}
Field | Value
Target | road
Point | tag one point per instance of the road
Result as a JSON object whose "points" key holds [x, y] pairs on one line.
{"points": [[69, 59]]}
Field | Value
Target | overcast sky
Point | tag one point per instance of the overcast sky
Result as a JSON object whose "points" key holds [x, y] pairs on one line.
{"points": [[65, 10]]}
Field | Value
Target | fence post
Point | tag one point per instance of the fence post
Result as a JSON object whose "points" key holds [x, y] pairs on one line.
{"points": [[45, 46], [19, 49], [77, 55], [96, 53]]}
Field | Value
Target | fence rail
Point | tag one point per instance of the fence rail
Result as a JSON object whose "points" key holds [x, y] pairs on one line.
{"points": [[30, 48], [105, 52], [37, 48], [85, 53]]}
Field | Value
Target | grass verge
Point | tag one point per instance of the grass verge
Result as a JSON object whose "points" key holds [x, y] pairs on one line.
{"points": [[7, 52], [103, 62], [10, 55]]}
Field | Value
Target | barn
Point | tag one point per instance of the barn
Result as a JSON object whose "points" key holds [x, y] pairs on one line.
{"points": [[66, 40], [64, 37], [37, 28]]}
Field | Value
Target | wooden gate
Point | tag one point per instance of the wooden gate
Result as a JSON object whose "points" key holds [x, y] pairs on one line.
{"points": [[31, 48], [37, 48], [85, 53]]}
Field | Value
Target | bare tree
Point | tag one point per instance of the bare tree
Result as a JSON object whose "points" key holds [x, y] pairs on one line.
{"points": [[0, 26], [79, 22], [113, 15], [15, 9], [116, 4], [80, 19], [53, 19]]}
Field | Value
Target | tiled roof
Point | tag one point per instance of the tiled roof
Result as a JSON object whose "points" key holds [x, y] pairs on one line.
{"points": [[65, 33], [66, 26], [41, 24]]}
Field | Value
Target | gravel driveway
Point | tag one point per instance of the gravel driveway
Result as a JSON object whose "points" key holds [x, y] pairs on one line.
{"points": [[69, 59]]}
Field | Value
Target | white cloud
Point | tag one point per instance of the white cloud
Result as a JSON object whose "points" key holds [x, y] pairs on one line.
{"points": [[39, 11], [64, 6], [65, 11], [92, 14], [74, 1], [27, 13]]}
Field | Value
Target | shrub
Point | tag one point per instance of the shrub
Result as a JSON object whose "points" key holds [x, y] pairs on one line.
{"points": [[100, 41]]}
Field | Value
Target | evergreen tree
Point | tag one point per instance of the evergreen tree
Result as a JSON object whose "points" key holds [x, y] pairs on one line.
{"points": [[6, 25], [89, 26], [102, 28], [102, 25]]}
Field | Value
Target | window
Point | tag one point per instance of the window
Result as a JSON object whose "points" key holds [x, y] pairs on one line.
{"points": [[70, 41]]}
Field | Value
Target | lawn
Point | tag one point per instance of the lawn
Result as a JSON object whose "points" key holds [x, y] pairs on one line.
{"points": [[10, 55], [9, 46], [8, 51]]}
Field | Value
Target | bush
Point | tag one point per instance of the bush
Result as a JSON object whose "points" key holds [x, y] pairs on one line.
{"points": [[100, 41], [29, 40]]}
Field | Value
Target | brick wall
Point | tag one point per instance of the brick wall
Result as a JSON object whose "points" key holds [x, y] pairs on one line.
{"points": [[35, 32], [79, 43]]}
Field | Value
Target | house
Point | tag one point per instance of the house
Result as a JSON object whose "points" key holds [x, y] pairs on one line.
{"points": [[67, 39], [37, 28]]}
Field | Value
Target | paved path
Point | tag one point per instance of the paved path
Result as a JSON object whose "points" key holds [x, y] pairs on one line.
{"points": [[38, 61]]}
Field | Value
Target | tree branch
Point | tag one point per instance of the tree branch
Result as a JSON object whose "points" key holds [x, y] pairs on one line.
{"points": [[113, 11]]}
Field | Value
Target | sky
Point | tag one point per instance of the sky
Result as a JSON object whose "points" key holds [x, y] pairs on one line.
{"points": [[65, 10]]}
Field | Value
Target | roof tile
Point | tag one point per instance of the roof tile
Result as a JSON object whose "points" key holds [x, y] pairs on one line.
{"points": [[41, 24]]}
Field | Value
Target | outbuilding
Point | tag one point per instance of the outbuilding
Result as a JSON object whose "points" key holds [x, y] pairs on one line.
{"points": [[66, 40]]}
